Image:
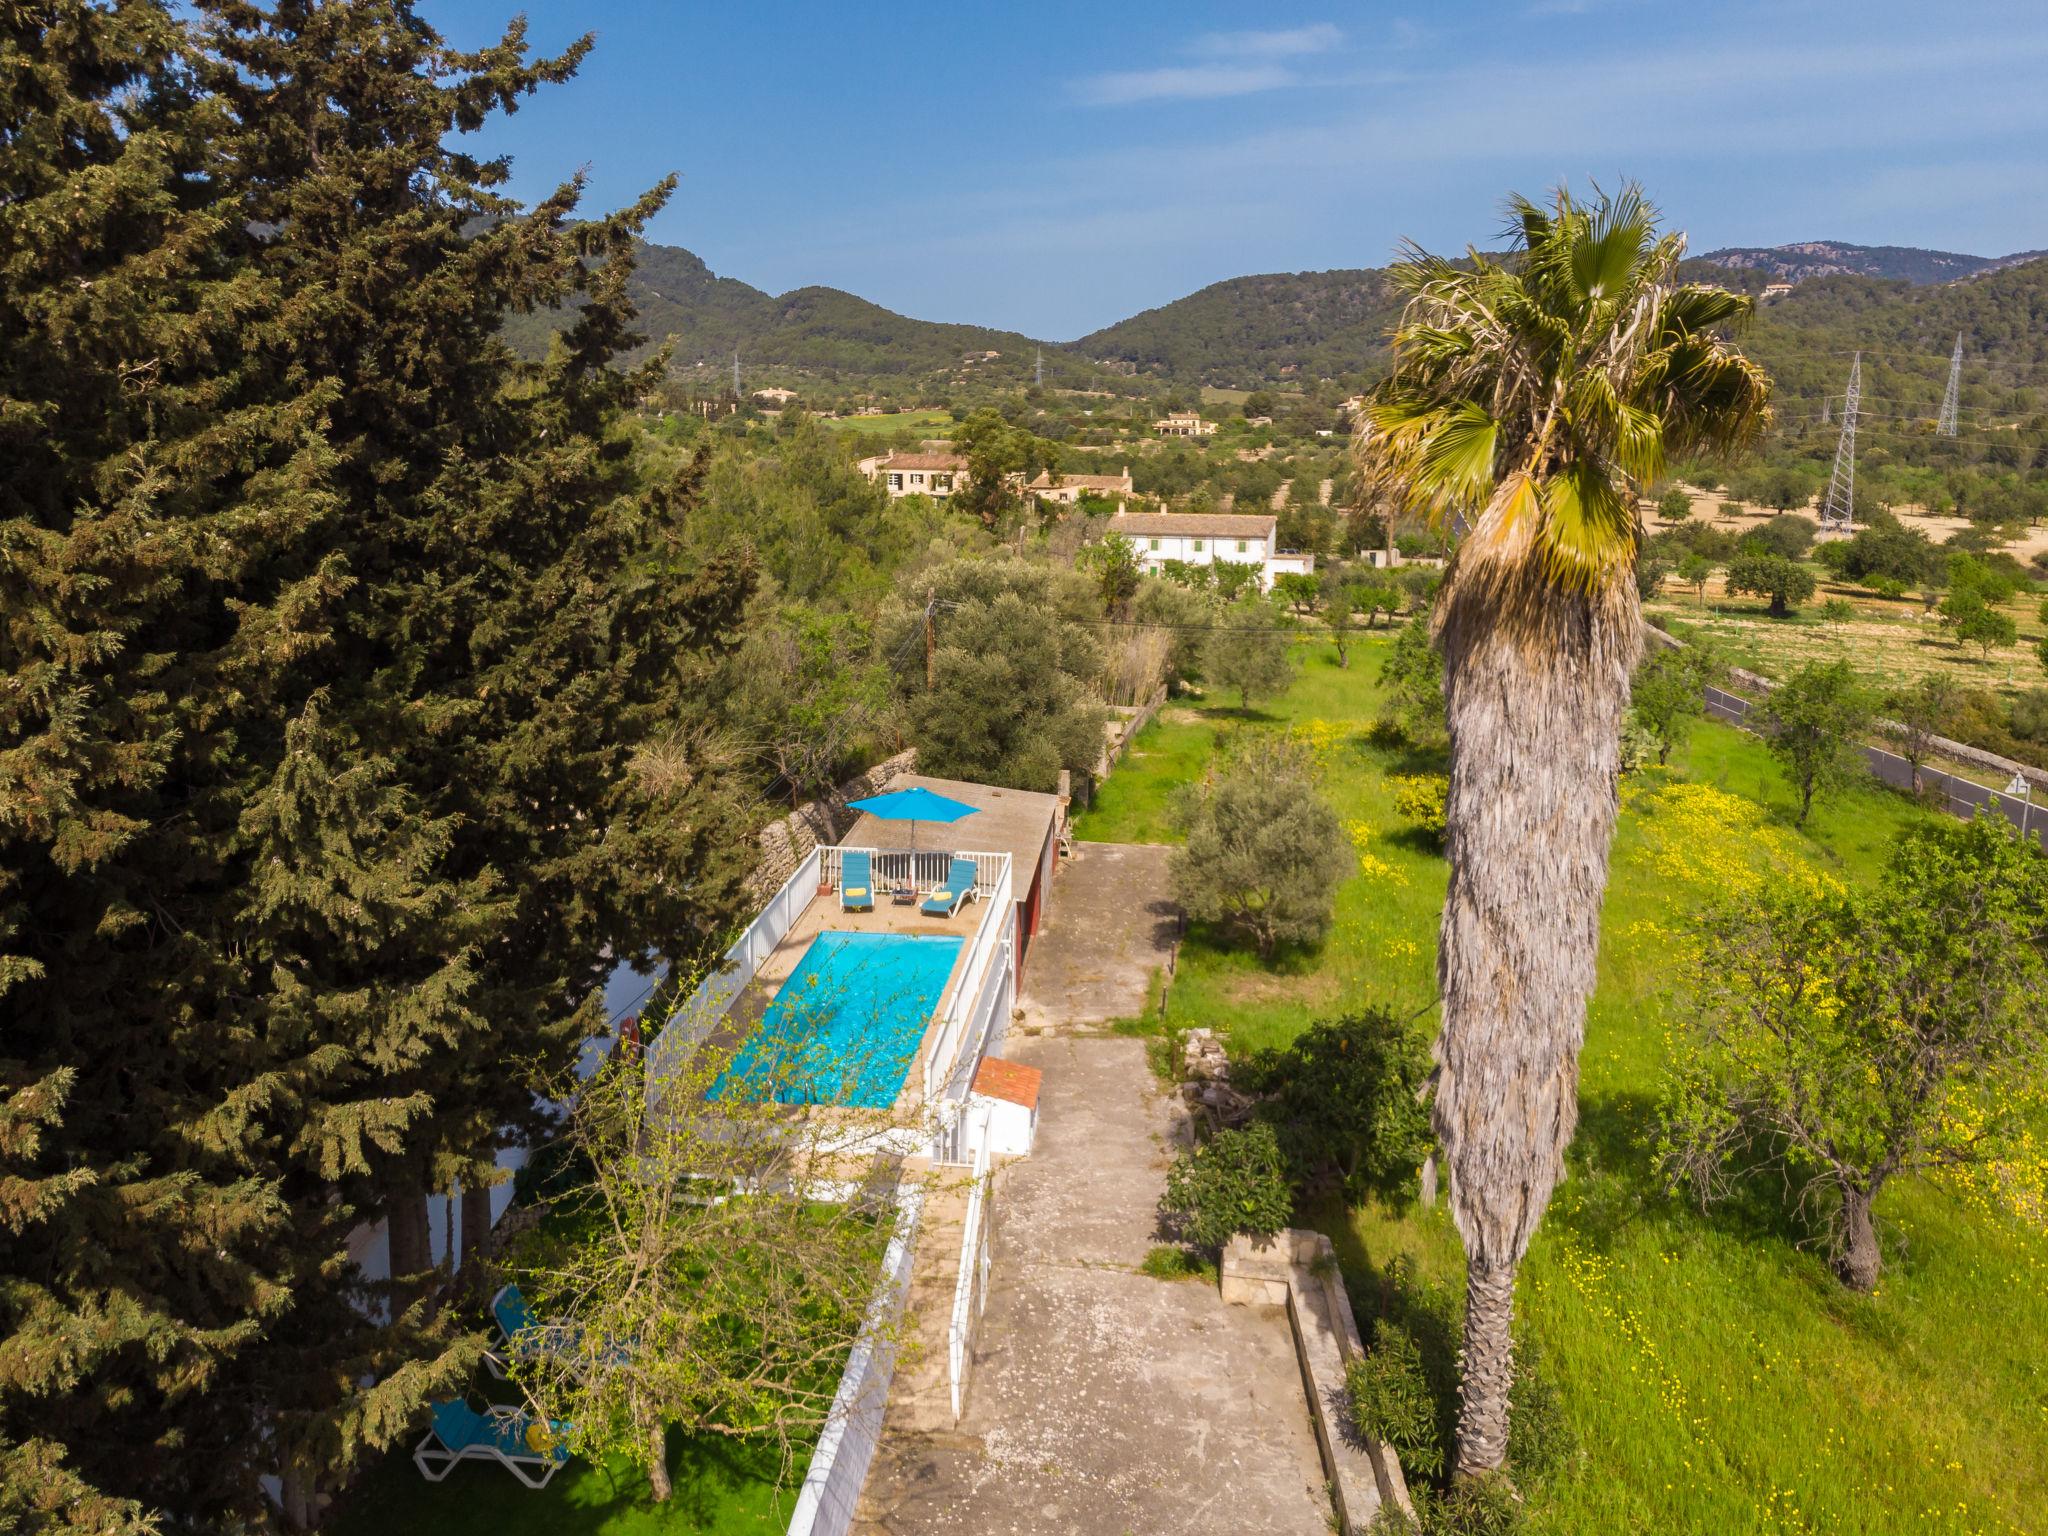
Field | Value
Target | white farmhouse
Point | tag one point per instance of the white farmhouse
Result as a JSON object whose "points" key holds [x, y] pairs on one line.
{"points": [[917, 474], [1203, 538], [1072, 488], [1183, 424]]}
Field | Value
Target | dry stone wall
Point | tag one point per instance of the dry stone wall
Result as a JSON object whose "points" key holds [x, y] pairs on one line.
{"points": [[786, 843]]}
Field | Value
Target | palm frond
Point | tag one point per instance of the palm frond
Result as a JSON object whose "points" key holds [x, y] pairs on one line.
{"points": [[1589, 529], [1542, 390]]}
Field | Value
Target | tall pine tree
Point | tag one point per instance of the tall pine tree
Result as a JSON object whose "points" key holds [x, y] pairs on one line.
{"points": [[298, 899]]}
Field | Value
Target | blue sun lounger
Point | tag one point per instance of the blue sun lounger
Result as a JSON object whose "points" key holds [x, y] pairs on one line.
{"points": [[959, 885], [525, 1336], [513, 1438], [856, 883]]}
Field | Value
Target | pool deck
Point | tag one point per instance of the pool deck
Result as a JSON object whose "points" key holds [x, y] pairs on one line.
{"points": [[822, 915]]}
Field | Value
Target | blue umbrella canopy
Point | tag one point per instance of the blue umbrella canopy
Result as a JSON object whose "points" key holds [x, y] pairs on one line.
{"points": [[913, 805], [916, 804]]}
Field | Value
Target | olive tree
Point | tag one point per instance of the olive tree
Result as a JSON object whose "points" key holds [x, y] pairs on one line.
{"points": [[1247, 654], [1846, 1038], [1918, 716], [1815, 724], [1264, 853], [1783, 581], [1666, 696]]}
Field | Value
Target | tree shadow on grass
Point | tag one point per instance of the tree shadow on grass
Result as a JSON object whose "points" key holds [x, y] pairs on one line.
{"points": [[1415, 839], [719, 1484], [1616, 1183]]}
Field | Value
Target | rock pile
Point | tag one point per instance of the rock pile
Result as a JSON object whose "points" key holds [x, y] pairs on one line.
{"points": [[1206, 1089]]}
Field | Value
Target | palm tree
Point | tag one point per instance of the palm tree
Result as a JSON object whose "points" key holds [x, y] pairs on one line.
{"points": [[1532, 397]]}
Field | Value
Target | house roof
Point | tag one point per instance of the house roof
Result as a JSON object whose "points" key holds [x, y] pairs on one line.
{"points": [[1120, 482], [1215, 525], [951, 461], [1013, 821], [1011, 1081]]}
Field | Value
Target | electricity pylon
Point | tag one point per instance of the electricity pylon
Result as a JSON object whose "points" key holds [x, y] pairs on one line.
{"points": [[1946, 426], [1838, 509]]}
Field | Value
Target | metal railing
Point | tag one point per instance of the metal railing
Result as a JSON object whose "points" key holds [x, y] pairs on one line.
{"points": [[989, 948], [697, 1015], [898, 869], [970, 1289]]}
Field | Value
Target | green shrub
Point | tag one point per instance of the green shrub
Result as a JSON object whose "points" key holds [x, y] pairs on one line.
{"points": [[1483, 1506], [1540, 1437], [1413, 674], [1264, 854], [1236, 1182], [1391, 1401], [1164, 1261], [1420, 797], [1888, 586], [1837, 610], [1342, 1096]]}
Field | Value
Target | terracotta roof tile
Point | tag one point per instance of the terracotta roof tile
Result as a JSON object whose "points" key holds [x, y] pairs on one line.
{"points": [[1008, 1080], [951, 461]]}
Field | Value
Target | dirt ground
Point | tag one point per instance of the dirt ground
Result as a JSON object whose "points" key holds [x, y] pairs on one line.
{"points": [[1710, 507]]}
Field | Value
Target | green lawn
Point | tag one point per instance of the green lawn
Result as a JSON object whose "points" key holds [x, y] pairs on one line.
{"points": [[721, 1488], [1715, 1376]]}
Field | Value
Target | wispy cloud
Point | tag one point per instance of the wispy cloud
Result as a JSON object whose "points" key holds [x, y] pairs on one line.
{"points": [[1288, 43], [1238, 64], [1191, 82]]}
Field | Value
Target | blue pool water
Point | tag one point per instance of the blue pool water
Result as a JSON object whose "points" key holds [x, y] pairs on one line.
{"points": [[846, 1025]]}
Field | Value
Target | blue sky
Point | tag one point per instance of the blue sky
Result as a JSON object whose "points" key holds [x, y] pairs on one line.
{"points": [[1057, 166]]}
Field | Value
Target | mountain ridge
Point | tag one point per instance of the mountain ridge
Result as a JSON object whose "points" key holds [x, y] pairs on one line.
{"points": [[1284, 328], [1921, 266]]}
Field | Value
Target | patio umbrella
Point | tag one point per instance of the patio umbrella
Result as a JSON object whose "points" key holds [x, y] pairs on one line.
{"points": [[913, 805]]}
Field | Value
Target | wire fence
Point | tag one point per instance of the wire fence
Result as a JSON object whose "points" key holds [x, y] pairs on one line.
{"points": [[1958, 796]]}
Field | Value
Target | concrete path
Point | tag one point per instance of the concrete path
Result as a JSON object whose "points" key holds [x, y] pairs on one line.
{"points": [[1104, 1401], [1111, 924]]}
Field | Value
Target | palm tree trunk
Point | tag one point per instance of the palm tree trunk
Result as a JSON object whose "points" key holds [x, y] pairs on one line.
{"points": [[1535, 684], [1487, 1369]]}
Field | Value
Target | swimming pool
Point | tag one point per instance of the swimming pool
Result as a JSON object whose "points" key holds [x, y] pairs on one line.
{"points": [[846, 1025]]}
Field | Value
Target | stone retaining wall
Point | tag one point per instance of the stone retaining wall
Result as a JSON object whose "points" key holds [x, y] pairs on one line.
{"points": [[786, 843], [1298, 1270]]}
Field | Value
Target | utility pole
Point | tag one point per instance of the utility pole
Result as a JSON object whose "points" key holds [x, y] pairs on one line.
{"points": [[735, 377], [1838, 508], [1827, 409], [1946, 426], [931, 642], [1038, 365]]}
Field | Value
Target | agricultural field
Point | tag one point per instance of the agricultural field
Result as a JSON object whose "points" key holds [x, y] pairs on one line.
{"points": [[935, 423], [1713, 1376], [1896, 641]]}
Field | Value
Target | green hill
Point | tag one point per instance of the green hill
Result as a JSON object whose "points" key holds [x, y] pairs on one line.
{"points": [[1276, 328], [817, 332], [1282, 328]]}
